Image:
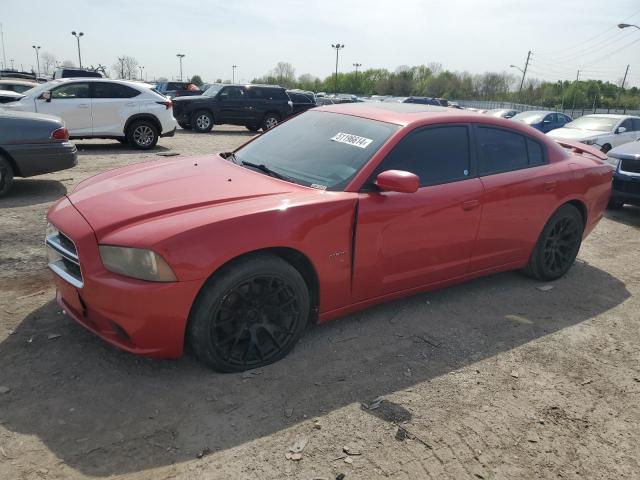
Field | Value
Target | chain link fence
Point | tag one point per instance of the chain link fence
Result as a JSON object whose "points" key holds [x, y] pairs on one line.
{"points": [[521, 107]]}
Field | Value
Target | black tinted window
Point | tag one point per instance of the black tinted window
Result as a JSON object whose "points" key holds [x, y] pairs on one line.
{"points": [[627, 124], [502, 151], [437, 155], [636, 124], [267, 93], [113, 90], [234, 93], [71, 90], [299, 97]]}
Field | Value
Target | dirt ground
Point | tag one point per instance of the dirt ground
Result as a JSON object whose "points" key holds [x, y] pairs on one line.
{"points": [[492, 379]]}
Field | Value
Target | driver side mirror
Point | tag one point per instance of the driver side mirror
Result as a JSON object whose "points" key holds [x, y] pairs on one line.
{"points": [[46, 95], [398, 181], [621, 130]]}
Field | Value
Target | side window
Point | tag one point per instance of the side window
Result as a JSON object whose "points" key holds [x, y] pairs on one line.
{"points": [[501, 151], [437, 155], [113, 90], [233, 93], [636, 124], [626, 124], [255, 93], [534, 150], [71, 90]]}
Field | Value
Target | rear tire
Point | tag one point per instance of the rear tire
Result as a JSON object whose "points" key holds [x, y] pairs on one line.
{"points": [[558, 245], [6, 176], [250, 314], [142, 134], [202, 121], [270, 120]]}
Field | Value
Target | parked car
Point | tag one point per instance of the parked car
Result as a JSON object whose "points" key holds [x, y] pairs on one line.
{"points": [[423, 101], [7, 96], [501, 112], [103, 108], [254, 106], [32, 144], [543, 120], [301, 101], [625, 161], [178, 89], [16, 85], [606, 131], [339, 208], [73, 72]]}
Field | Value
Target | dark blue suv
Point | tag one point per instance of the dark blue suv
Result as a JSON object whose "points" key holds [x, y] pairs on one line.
{"points": [[625, 159]]}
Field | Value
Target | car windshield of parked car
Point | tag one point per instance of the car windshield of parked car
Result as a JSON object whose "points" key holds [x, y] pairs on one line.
{"points": [[318, 149], [601, 124], [212, 91], [529, 117]]}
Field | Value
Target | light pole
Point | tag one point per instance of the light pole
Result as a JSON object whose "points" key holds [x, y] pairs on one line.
{"points": [[78, 35], [11, 64], [180, 56], [337, 47], [141, 76], [357, 65], [37, 58], [233, 73], [625, 25]]}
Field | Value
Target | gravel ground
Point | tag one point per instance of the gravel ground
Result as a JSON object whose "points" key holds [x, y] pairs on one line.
{"points": [[493, 379]]}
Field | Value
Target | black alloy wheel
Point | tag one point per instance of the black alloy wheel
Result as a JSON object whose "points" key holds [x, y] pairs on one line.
{"points": [[251, 315], [558, 245]]}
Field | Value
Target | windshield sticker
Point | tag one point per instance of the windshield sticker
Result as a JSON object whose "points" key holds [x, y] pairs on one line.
{"points": [[350, 139], [318, 186]]}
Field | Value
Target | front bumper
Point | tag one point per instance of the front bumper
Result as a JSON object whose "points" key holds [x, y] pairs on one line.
{"points": [[37, 159], [170, 133], [144, 318], [626, 188]]}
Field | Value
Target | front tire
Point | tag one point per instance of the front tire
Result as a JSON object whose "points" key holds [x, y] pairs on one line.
{"points": [[6, 176], [250, 314], [142, 135], [202, 121], [558, 245]]}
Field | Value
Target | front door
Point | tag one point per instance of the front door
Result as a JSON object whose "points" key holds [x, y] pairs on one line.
{"points": [[232, 104], [70, 102], [407, 240]]}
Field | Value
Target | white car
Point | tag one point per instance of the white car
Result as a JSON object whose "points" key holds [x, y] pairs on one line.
{"points": [[602, 130], [103, 108]]}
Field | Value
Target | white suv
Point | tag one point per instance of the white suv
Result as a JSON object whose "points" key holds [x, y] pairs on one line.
{"points": [[605, 131], [104, 108]]}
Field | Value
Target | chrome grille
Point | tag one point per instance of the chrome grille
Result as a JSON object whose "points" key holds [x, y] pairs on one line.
{"points": [[63, 257]]}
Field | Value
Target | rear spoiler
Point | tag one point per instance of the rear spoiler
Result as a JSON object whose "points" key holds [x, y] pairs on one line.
{"points": [[580, 148]]}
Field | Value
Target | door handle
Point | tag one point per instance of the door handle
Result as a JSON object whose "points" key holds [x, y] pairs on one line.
{"points": [[130, 104], [549, 186], [83, 105], [470, 204]]}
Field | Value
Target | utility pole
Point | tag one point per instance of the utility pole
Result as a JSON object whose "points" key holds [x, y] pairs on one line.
{"points": [[337, 47], [575, 91], [180, 56], [37, 59], [623, 82], [4, 55], [524, 72], [233, 73]]}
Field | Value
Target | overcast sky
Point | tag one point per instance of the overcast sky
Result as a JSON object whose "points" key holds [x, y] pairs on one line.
{"points": [[471, 35]]}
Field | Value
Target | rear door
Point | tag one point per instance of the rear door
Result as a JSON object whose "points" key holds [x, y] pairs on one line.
{"points": [[111, 105], [72, 103], [407, 240], [519, 197]]}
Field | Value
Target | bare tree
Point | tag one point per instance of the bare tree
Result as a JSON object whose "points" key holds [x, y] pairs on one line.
{"points": [[126, 67], [47, 63], [435, 67], [285, 74]]}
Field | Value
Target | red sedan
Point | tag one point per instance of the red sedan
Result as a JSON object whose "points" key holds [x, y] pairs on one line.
{"points": [[333, 211]]}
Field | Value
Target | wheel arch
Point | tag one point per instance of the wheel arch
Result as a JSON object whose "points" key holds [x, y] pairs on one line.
{"points": [[14, 166], [143, 116], [294, 257]]}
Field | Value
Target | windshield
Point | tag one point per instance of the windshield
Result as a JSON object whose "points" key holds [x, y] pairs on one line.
{"points": [[43, 87], [318, 149], [601, 124], [529, 117], [213, 90]]}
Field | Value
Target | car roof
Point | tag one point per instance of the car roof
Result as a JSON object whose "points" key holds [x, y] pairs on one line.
{"points": [[609, 115], [539, 111], [395, 112], [100, 79], [12, 81]]}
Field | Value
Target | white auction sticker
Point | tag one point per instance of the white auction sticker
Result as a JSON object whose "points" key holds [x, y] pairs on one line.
{"points": [[351, 139]]}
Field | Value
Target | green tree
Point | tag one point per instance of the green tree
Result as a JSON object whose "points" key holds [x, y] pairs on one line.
{"points": [[196, 80]]}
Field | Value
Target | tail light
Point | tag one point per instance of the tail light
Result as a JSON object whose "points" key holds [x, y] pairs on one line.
{"points": [[167, 103], [60, 134]]}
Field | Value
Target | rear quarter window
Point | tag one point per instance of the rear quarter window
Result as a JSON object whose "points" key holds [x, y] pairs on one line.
{"points": [[501, 150]]}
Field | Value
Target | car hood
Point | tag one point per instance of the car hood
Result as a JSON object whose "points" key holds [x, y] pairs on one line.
{"points": [[137, 193], [575, 134], [626, 151]]}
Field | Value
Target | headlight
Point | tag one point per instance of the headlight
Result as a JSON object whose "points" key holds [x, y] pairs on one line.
{"points": [[590, 141], [613, 161], [136, 263]]}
